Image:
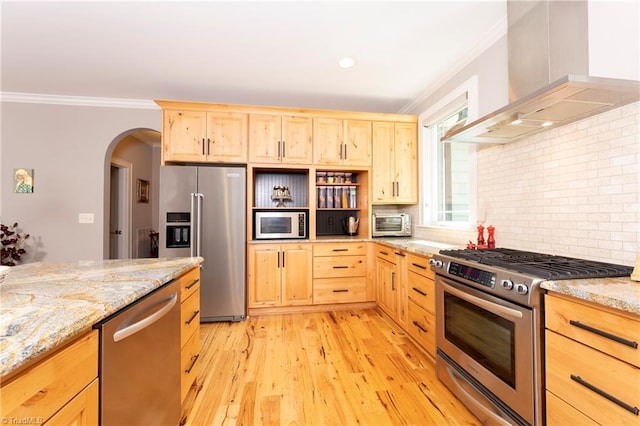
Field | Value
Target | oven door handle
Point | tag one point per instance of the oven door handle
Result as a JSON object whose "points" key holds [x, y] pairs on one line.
{"points": [[489, 306]]}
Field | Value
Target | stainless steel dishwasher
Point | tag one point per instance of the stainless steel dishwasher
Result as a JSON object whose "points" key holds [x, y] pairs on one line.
{"points": [[140, 362]]}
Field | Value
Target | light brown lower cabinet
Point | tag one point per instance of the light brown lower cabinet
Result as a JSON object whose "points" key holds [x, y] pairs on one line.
{"points": [[62, 389], [339, 272], [189, 333], [592, 363]]}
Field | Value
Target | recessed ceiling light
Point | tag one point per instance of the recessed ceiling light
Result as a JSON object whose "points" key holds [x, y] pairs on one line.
{"points": [[346, 62], [547, 124]]}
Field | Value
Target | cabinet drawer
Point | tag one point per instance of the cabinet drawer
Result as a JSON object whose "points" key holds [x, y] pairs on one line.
{"points": [[46, 387], [559, 413], [422, 327], [339, 266], [189, 283], [421, 290], [189, 363], [340, 249], [81, 410], [189, 317], [569, 362], [387, 253], [583, 322], [420, 265], [341, 290]]}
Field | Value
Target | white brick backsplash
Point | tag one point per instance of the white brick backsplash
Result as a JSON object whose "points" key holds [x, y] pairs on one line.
{"points": [[572, 191]]}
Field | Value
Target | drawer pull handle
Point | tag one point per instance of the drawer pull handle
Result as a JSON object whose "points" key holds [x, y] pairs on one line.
{"points": [[341, 290], [399, 253], [600, 392], [342, 249], [417, 324], [193, 363], [192, 283], [340, 267], [610, 336], [195, 314], [417, 265], [420, 292], [385, 253]]}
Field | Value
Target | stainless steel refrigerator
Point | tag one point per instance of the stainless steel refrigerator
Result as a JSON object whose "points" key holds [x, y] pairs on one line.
{"points": [[203, 213]]}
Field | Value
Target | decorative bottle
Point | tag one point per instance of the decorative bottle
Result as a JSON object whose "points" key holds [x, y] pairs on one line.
{"points": [[491, 241]]}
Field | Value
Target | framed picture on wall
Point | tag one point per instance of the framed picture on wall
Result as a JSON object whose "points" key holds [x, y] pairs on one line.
{"points": [[142, 191], [23, 183]]}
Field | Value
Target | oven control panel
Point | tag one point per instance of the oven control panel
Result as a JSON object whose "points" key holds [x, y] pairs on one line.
{"points": [[479, 276]]}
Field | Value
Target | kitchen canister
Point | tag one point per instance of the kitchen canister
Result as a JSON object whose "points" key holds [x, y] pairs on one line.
{"points": [[337, 197], [330, 196]]}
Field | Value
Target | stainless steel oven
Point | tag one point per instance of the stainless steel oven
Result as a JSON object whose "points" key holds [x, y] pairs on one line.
{"points": [[490, 327]]}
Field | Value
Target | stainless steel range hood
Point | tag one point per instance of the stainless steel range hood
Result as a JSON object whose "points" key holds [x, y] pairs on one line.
{"points": [[549, 85]]}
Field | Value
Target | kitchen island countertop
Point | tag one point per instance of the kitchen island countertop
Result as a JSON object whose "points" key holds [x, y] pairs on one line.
{"points": [[44, 305]]}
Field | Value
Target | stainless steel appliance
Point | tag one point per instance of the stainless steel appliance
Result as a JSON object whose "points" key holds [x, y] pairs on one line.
{"points": [[391, 224], [490, 327], [140, 362], [279, 224], [203, 213]]}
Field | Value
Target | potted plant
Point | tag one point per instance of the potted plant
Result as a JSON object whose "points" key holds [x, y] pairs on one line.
{"points": [[11, 250]]}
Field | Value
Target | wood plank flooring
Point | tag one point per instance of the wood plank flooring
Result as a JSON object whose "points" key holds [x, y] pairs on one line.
{"points": [[331, 368]]}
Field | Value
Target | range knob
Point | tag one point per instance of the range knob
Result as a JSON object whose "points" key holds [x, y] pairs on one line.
{"points": [[521, 289], [506, 284], [437, 263]]}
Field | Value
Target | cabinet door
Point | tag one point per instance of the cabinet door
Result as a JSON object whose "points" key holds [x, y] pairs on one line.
{"points": [[265, 136], [357, 143], [296, 140], [184, 134], [82, 410], [264, 275], [386, 286], [297, 281], [406, 162], [402, 298], [327, 141], [383, 167], [227, 137]]}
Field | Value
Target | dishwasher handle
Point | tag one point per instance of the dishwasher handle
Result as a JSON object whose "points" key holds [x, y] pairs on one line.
{"points": [[145, 322]]}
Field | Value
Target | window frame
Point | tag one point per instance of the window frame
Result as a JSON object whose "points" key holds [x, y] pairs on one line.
{"points": [[428, 209]]}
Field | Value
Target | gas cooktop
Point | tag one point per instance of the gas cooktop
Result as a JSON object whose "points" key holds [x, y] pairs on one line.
{"points": [[540, 265]]}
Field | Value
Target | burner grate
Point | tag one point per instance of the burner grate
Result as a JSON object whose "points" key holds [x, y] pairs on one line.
{"points": [[541, 265]]}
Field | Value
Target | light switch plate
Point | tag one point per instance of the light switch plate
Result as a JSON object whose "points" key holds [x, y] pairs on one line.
{"points": [[85, 218]]}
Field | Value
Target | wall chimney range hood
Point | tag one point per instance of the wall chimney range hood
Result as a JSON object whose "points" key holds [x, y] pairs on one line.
{"points": [[549, 82]]}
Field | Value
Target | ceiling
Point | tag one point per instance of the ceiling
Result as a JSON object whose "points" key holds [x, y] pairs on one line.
{"points": [[258, 53]]}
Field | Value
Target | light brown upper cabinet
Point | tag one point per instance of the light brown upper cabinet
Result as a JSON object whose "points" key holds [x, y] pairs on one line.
{"points": [[280, 139], [341, 142], [205, 137], [395, 163]]}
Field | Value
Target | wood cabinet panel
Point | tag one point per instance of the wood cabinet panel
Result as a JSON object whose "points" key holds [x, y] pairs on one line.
{"points": [[340, 290], [327, 141], [189, 363], [420, 265], [342, 266], [297, 279], [183, 135], [569, 363], [280, 139], [340, 249], [82, 410], [395, 163], [421, 325], [189, 317], [189, 283], [227, 137], [582, 322], [421, 290], [357, 143], [559, 413], [49, 385], [264, 275]]}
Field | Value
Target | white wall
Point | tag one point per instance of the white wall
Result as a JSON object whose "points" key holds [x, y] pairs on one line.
{"points": [[69, 148]]}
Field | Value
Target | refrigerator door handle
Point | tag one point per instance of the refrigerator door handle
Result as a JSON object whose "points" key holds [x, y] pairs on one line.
{"points": [[199, 203], [193, 235]]}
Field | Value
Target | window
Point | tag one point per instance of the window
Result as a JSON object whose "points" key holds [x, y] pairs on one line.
{"points": [[449, 193]]}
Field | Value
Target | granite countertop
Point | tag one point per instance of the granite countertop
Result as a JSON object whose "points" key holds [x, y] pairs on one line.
{"points": [[43, 305], [619, 293]]}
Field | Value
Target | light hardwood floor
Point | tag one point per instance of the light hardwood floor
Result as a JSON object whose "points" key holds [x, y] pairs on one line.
{"points": [[333, 368]]}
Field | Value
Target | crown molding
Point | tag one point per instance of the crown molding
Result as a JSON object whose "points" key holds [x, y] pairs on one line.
{"points": [[38, 98], [496, 32]]}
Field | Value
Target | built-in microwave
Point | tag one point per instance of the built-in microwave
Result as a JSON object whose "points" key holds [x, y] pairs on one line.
{"points": [[391, 224], [280, 224]]}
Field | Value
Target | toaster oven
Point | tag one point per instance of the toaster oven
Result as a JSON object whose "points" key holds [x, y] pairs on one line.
{"points": [[391, 224]]}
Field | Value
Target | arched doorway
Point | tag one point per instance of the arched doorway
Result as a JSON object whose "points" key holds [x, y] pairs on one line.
{"points": [[131, 182]]}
